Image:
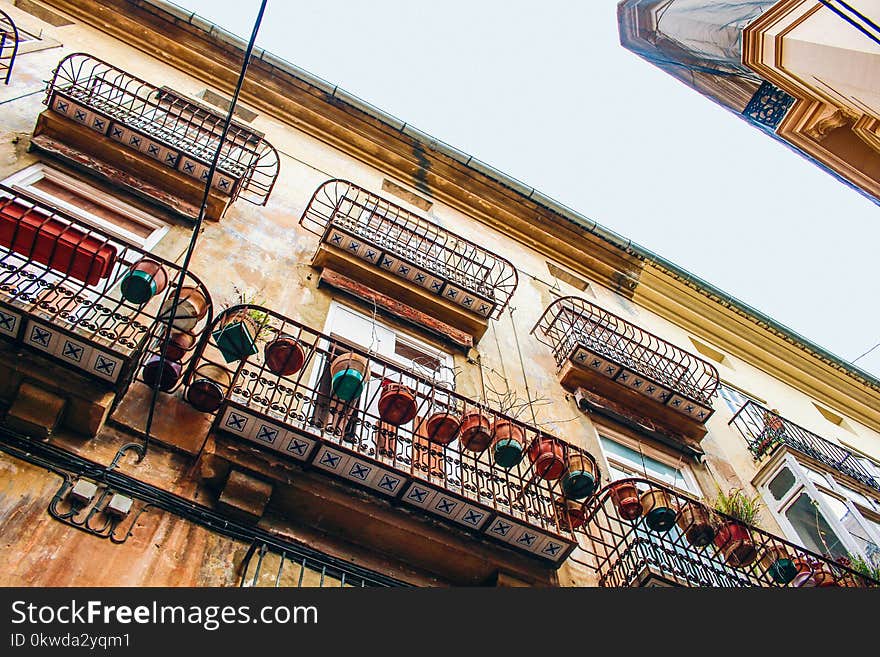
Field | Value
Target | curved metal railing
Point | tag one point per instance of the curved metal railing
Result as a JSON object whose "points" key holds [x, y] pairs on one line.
{"points": [[453, 264], [8, 46]]}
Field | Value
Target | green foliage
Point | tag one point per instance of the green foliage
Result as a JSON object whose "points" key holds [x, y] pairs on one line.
{"points": [[736, 504], [863, 567]]}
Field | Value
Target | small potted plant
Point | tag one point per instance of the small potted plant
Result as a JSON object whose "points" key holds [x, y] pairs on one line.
{"points": [[778, 564], [625, 497], [237, 336], [733, 537], [658, 510], [696, 522]]}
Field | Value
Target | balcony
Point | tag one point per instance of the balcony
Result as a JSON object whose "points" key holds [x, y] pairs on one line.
{"points": [[397, 433], [8, 46], [643, 534], [408, 258], [92, 302], [606, 354], [766, 432], [153, 140]]}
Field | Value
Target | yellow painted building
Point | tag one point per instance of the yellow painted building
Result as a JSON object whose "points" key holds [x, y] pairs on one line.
{"points": [[388, 363]]}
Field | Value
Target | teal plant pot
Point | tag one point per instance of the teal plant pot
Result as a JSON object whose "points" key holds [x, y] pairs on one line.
{"points": [[235, 341], [578, 485], [508, 452], [143, 281], [347, 384]]}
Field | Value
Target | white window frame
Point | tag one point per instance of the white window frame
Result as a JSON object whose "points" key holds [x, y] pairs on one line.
{"points": [[688, 485], [23, 181], [726, 385]]}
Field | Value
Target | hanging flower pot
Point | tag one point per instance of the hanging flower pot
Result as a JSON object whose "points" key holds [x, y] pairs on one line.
{"points": [[776, 563], [236, 338], [209, 386], [696, 523], [805, 577], [179, 344], [442, 427], [734, 541], [161, 373], [571, 511], [192, 306], [508, 440], [475, 434], [658, 510], [144, 280], [284, 355], [824, 578], [349, 372], [579, 480], [547, 454], [625, 497], [397, 403]]}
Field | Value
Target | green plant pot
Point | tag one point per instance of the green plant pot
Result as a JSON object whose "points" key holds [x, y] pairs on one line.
{"points": [[782, 571], [660, 519], [138, 287], [347, 384], [235, 341], [578, 484], [508, 453]]}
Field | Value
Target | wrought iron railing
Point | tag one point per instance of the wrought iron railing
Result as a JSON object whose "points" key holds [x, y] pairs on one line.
{"points": [[766, 431], [325, 403], [641, 531], [266, 567], [345, 215], [593, 338], [163, 125], [90, 300], [8, 46]]}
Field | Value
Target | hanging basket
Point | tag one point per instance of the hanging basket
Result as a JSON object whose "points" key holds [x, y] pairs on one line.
{"points": [[548, 457], [397, 403], [143, 281], [442, 428], [508, 442], [696, 523], [571, 512], [236, 338], [284, 355], [179, 344], [658, 510], [776, 563], [579, 480], [734, 541], [192, 306], [349, 372], [475, 434], [161, 373], [625, 497], [805, 574], [209, 386]]}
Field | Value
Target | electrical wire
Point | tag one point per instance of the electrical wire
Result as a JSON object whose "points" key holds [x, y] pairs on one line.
{"points": [[184, 268]]}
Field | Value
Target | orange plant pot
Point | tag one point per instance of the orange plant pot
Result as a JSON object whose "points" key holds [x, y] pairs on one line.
{"points": [[548, 456], [442, 427], [734, 542], [397, 403], [476, 433], [625, 497]]}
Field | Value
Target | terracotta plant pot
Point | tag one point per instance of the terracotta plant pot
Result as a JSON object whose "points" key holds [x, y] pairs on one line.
{"points": [[823, 578], [625, 497], [236, 338], [164, 377], [776, 563], [179, 345], [696, 523], [349, 373], [442, 428], [143, 281], [734, 541], [209, 386], [284, 355], [571, 511], [397, 403], [579, 480], [805, 577], [476, 431], [548, 456], [658, 510], [191, 308], [508, 441]]}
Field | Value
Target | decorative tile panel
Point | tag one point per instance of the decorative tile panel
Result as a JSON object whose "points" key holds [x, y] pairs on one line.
{"points": [[10, 323]]}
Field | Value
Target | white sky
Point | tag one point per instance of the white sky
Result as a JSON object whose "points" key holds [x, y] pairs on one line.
{"points": [[544, 92]]}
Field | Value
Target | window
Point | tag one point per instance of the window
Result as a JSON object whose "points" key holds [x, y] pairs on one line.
{"points": [[735, 398], [89, 204], [638, 460]]}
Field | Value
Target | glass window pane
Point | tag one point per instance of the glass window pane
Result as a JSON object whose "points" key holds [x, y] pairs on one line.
{"points": [[781, 484], [642, 464], [813, 530]]}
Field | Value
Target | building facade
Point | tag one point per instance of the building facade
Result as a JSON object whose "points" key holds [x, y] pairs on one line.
{"points": [[806, 72], [382, 363]]}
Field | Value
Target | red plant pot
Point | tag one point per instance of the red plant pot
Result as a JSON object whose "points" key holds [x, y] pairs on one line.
{"points": [[164, 377], [442, 428], [179, 344], [571, 511], [208, 389], [734, 541], [625, 497], [548, 456], [284, 355], [476, 433], [397, 404]]}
